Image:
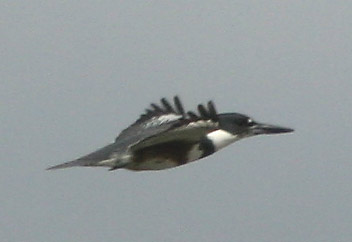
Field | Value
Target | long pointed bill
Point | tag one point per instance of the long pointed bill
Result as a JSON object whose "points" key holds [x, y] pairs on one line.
{"points": [[270, 129]]}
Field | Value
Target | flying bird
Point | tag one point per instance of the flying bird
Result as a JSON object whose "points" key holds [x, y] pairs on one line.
{"points": [[167, 136]]}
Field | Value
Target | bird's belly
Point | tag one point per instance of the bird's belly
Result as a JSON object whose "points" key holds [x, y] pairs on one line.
{"points": [[164, 156], [153, 164]]}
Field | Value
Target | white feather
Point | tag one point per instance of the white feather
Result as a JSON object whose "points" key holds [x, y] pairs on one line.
{"points": [[156, 121], [221, 138]]}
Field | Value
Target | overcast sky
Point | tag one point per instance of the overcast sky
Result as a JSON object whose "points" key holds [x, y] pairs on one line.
{"points": [[73, 74]]}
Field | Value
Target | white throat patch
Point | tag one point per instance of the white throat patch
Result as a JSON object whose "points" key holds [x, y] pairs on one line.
{"points": [[221, 138]]}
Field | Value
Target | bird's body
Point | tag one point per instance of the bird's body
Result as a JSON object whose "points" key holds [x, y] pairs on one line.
{"points": [[166, 136]]}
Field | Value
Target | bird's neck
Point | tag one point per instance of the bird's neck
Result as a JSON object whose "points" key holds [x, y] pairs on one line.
{"points": [[221, 138]]}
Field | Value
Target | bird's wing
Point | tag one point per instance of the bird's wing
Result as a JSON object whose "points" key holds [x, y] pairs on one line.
{"points": [[173, 124], [155, 120], [189, 133], [166, 122]]}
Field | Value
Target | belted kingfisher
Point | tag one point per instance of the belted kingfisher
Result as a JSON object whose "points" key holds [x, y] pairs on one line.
{"points": [[166, 136]]}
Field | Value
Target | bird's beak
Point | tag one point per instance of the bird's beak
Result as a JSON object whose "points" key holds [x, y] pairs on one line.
{"points": [[270, 129]]}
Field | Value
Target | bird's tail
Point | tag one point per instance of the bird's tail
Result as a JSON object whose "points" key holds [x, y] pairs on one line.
{"points": [[74, 163], [101, 157]]}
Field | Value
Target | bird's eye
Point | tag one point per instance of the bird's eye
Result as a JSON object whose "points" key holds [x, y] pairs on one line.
{"points": [[250, 122]]}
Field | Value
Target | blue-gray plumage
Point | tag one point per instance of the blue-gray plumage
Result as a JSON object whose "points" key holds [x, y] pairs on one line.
{"points": [[166, 136]]}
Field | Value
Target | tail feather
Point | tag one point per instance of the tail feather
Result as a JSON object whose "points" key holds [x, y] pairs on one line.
{"points": [[74, 163], [101, 157]]}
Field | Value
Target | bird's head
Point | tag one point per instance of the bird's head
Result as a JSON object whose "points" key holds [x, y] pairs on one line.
{"points": [[243, 126]]}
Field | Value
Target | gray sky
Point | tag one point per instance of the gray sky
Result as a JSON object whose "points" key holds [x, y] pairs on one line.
{"points": [[74, 74]]}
